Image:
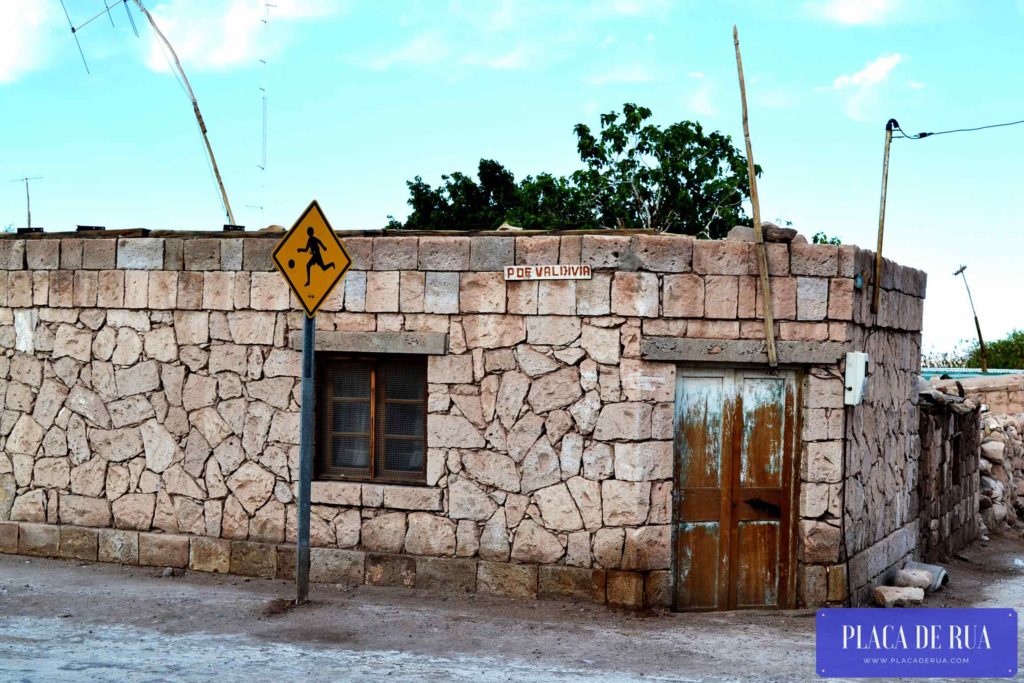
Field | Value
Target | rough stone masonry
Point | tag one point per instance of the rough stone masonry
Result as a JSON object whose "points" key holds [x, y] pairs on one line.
{"points": [[149, 406]]}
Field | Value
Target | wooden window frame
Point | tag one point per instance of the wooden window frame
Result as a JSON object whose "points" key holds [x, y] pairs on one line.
{"points": [[375, 471]]}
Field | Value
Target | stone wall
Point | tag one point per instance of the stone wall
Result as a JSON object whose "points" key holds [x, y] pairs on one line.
{"points": [[148, 384], [1002, 471], [1003, 394], [880, 474], [949, 497]]}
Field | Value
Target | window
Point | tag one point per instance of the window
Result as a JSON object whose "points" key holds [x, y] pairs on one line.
{"points": [[372, 415]]}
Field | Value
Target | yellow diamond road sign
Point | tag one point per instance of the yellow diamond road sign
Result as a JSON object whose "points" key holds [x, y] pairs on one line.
{"points": [[312, 258]]}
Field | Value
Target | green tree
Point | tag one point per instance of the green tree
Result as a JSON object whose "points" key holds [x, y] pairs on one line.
{"points": [[636, 175], [1007, 352]]}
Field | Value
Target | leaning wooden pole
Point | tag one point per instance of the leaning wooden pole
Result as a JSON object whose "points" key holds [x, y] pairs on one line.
{"points": [[762, 256], [876, 293]]}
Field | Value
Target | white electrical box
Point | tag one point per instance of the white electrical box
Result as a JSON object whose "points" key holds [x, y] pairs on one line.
{"points": [[856, 377]]}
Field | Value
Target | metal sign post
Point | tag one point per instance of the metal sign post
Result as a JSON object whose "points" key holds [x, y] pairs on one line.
{"points": [[305, 461], [313, 261]]}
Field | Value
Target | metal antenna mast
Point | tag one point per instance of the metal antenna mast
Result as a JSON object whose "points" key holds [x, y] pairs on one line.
{"points": [[177, 66], [977, 325], [195, 109], [28, 197]]}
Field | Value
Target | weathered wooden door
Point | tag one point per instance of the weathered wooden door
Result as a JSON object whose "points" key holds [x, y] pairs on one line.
{"points": [[734, 487]]}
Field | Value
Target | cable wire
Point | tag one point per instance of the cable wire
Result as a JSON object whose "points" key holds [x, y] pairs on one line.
{"points": [[920, 136]]}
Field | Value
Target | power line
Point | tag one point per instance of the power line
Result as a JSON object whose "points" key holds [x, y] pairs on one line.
{"points": [[920, 136]]}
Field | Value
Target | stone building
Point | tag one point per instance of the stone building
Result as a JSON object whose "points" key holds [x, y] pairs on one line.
{"points": [[617, 438]]}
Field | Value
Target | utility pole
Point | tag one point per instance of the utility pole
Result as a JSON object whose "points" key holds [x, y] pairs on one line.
{"points": [[28, 197], [877, 292], [977, 325]]}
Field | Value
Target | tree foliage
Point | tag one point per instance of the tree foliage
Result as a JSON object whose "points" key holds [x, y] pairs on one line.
{"points": [[636, 175], [1006, 353]]}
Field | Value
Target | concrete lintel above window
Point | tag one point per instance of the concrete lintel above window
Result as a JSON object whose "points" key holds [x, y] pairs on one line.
{"points": [[421, 343], [739, 351]]}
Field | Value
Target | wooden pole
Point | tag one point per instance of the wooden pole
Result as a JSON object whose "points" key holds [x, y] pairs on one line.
{"points": [[762, 257], [877, 292]]}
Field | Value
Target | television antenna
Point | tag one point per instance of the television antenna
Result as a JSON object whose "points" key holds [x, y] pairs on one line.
{"points": [[28, 197], [176, 65], [977, 325]]}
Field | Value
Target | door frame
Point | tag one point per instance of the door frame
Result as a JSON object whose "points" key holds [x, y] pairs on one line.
{"points": [[793, 445]]}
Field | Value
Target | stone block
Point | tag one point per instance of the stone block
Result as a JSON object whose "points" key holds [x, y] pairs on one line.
{"points": [[382, 291], [658, 589], [663, 253], [42, 254], [395, 253], [593, 296], [70, 254], [285, 562], [329, 565], [231, 254], [450, 369], [625, 503], [537, 250], [99, 254], [684, 296], [605, 251], [62, 289], [163, 550], [507, 580], [110, 289], [9, 537], [257, 252], [571, 250], [335, 493], [840, 299], [635, 294], [441, 293], [491, 253], [813, 586], [140, 253], [803, 331], [522, 296], [450, 575], [202, 253], [572, 582], [84, 511], [136, 289], [390, 570], [218, 291], [482, 292], [209, 554], [444, 253], [85, 289], [720, 257], [42, 540], [819, 542], [411, 291], [821, 260], [412, 498], [811, 298], [625, 589], [721, 296], [491, 331], [556, 297], [254, 559], [78, 544], [118, 545]]}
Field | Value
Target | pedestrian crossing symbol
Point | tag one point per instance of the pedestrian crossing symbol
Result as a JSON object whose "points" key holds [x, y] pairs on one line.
{"points": [[312, 259]]}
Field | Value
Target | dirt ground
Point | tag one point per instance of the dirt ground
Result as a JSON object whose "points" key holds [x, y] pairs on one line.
{"points": [[67, 621]]}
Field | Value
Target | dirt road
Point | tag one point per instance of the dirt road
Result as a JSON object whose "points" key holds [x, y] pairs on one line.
{"points": [[70, 622]]}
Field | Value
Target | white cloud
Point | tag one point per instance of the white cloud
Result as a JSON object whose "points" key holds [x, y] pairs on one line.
{"points": [[916, 85], [426, 48], [872, 74], [516, 58], [24, 29], [854, 12], [217, 36], [862, 85], [699, 101], [635, 73]]}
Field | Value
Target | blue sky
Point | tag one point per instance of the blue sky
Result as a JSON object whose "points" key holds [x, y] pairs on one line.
{"points": [[365, 95]]}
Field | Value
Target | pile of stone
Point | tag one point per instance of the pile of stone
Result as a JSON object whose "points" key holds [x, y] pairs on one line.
{"points": [[1002, 471], [907, 590]]}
